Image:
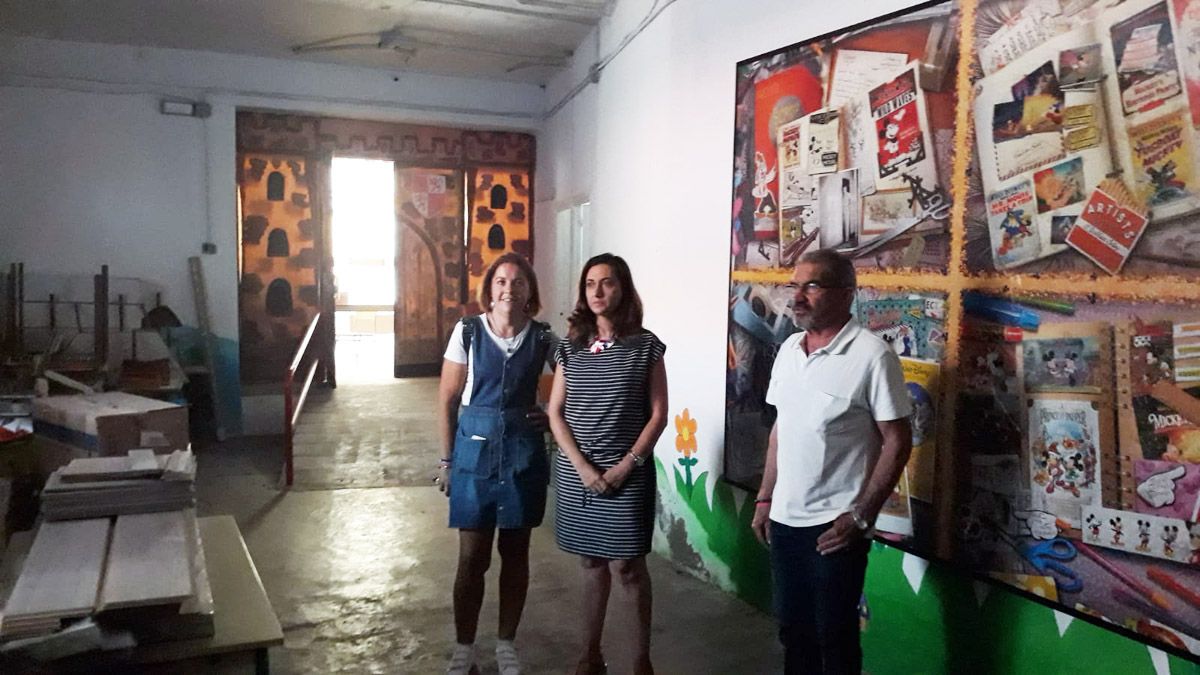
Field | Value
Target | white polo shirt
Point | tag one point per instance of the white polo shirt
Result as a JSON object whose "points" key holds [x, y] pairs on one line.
{"points": [[828, 403]]}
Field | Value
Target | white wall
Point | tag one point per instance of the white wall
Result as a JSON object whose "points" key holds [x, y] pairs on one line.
{"points": [[91, 173], [651, 146]]}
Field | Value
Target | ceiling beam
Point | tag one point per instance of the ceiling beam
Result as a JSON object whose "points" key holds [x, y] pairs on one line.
{"points": [[591, 8], [517, 11]]}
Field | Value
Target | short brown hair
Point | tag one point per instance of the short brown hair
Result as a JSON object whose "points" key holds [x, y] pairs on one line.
{"points": [[485, 289]]}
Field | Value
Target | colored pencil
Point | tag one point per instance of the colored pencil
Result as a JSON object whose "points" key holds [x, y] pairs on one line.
{"points": [[1151, 612], [1058, 306], [1168, 582], [1123, 576]]}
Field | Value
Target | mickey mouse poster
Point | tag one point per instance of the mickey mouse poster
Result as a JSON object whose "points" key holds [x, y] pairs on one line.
{"points": [[1063, 363], [897, 108]]}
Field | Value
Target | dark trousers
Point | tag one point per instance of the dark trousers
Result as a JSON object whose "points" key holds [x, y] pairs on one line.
{"points": [[816, 601]]}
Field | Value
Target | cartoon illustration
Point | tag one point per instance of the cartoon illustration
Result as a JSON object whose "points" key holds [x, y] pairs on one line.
{"points": [[891, 137], [1015, 227], [1014, 238], [1169, 534], [1194, 535], [1061, 368], [1157, 358], [1055, 192], [1143, 535], [1183, 445], [816, 146], [1079, 65], [1117, 531], [900, 130], [1059, 186], [1144, 45], [763, 175], [1093, 526], [1066, 461], [923, 418], [1062, 363], [1165, 183], [1159, 490], [798, 188], [1042, 525]]}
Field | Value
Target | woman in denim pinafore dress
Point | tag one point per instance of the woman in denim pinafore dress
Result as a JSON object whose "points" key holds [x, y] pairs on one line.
{"points": [[494, 465]]}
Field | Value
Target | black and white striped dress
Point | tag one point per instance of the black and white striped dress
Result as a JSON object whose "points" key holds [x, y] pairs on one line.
{"points": [[607, 406]]}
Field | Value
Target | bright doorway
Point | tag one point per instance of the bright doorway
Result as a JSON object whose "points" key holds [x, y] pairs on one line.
{"points": [[364, 267]]}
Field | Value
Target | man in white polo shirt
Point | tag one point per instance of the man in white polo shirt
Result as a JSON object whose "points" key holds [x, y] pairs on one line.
{"points": [[839, 444]]}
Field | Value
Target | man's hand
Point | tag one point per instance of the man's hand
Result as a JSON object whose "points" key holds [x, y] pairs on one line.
{"points": [[761, 522], [841, 534]]}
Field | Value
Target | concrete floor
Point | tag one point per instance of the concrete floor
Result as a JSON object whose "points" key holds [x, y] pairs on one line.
{"points": [[361, 577]]}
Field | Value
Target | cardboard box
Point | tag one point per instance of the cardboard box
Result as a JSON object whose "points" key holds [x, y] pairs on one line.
{"points": [[112, 423]]}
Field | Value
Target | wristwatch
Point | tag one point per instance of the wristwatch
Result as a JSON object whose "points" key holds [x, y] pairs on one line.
{"points": [[859, 522]]}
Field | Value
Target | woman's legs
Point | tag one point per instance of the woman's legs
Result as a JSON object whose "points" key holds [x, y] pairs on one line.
{"points": [[597, 581], [514, 579], [634, 577], [474, 557]]}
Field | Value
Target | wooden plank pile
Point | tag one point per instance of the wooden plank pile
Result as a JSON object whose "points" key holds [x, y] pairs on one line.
{"points": [[142, 570], [140, 482], [59, 579]]}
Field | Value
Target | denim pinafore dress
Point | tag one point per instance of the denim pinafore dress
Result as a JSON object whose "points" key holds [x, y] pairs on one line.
{"points": [[499, 467]]}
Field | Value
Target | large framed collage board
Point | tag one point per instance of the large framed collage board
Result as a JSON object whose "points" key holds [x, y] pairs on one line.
{"points": [[1018, 183]]}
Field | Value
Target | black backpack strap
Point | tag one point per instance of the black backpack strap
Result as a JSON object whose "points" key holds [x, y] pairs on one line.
{"points": [[544, 338], [469, 324]]}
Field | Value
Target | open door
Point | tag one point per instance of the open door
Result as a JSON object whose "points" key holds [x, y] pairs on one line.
{"points": [[429, 266]]}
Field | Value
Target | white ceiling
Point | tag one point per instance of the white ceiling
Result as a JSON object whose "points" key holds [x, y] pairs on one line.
{"points": [[520, 40]]}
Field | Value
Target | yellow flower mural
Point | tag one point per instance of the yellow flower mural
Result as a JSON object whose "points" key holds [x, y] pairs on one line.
{"points": [[685, 442]]}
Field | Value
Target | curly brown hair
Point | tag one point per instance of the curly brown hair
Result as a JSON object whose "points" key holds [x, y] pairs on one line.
{"points": [[626, 317], [485, 288]]}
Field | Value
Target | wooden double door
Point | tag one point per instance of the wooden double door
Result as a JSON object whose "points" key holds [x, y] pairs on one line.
{"points": [[429, 266]]}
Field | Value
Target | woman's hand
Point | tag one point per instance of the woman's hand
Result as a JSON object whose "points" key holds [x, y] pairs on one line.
{"points": [[593, 480], [619, 473], [443, 480], [538, 419]]}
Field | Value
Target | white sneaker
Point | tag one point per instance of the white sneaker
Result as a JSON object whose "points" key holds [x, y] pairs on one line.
{"points": [[462, 661], [506, 658]]}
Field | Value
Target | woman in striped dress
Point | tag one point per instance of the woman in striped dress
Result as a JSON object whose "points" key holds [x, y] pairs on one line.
{"points": [[607, 409]]}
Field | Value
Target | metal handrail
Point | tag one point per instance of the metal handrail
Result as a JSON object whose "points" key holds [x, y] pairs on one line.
{"points": [[292, 406]]}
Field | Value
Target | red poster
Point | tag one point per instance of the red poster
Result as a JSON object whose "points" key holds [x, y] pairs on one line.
{"points": [[897, 123], [1106, 231], [787, 95]]}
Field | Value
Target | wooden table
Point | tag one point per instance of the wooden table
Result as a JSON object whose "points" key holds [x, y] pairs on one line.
{"points": [[245, 625]]}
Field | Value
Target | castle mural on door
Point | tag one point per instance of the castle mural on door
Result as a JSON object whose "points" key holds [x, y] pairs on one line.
{"points": [[277, 290], [500, 217]]}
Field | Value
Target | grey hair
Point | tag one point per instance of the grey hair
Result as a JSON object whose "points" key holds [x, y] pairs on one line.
{"points": [[835, 268]]}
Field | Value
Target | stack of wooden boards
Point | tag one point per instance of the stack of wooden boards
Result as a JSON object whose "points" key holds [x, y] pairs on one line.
{"points": [[143, 569], [140, 482]]}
